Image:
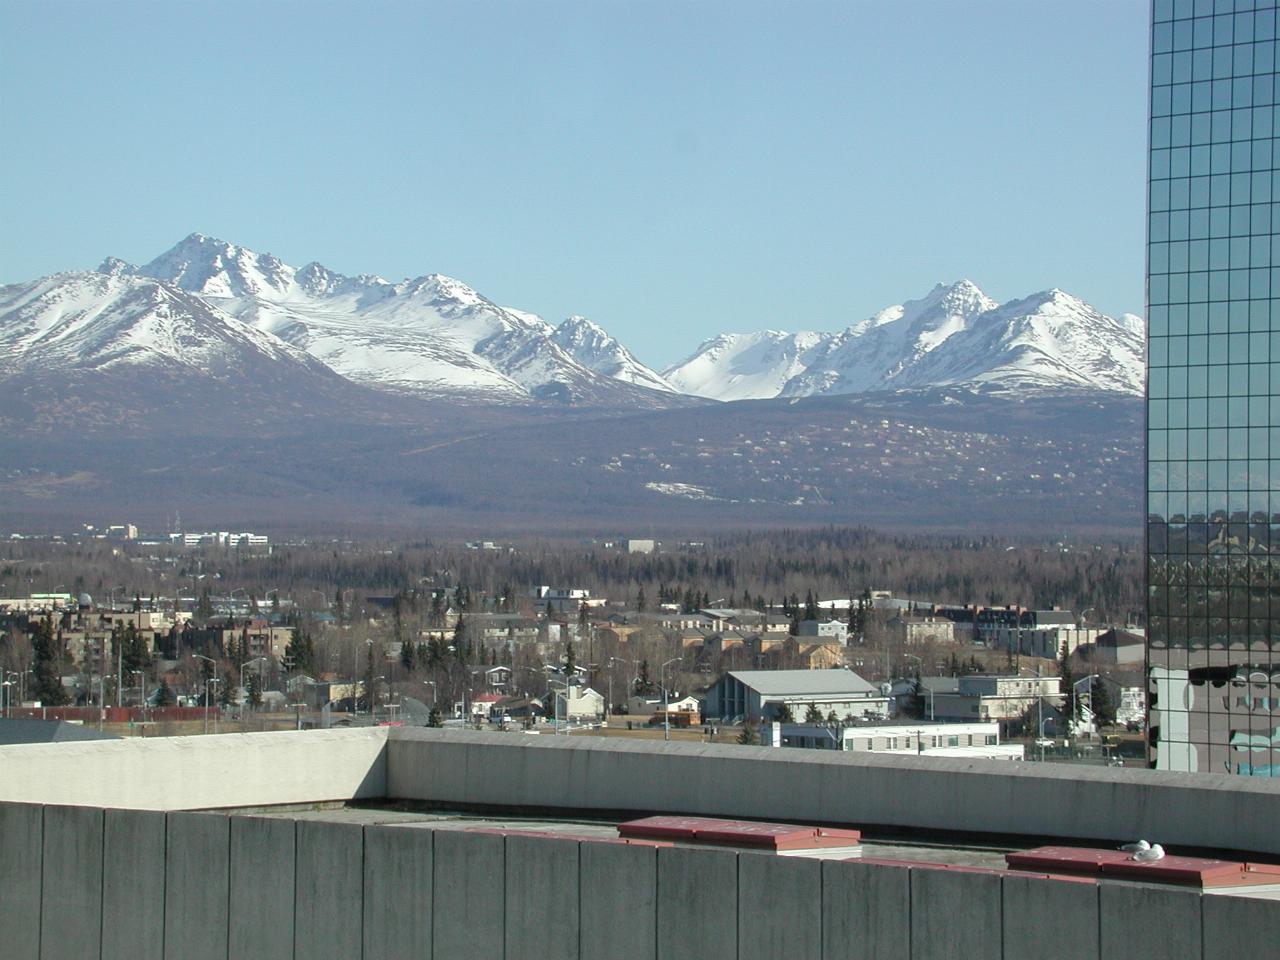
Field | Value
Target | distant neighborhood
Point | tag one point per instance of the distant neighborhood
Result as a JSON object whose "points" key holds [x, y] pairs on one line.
{"points": [[870, 672]]}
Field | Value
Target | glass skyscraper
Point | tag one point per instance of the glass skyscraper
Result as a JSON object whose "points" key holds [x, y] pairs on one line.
{"points": [[1213, 407]]}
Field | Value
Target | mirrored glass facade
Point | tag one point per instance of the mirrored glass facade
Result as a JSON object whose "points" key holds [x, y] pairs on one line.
{"points": [[1213, 408]]}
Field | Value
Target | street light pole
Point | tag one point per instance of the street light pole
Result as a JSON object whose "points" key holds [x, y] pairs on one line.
{"points": [[142, 693], [208, 680], [612, 660], [206, 704], [666, 699]]}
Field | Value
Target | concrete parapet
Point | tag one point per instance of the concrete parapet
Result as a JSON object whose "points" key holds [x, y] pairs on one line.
{"points": [[398, 901], [1050, 919], [542, 882], [71, 886], [133, 854], [190, 773], [1148, 922], [618, 901], [1238, 926], [329, 910], [262, 888], [866, 911], [955, 914], [21, 839], [697, 904], [197, 874], [982, 796], [468, 918], [779, 907]]}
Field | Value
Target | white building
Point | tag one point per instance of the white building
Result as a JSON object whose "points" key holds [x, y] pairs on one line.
{"points": [[825, 629], [982, 698], [981, 740], [582, 703]]}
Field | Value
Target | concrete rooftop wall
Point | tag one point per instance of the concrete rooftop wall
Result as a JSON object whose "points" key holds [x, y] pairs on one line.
{"points": [[207, 886], [184, 773], [820, 786], [78, 880]]}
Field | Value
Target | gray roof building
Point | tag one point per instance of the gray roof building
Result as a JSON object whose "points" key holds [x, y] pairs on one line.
{"points": [[47, 731], [759, 694]]}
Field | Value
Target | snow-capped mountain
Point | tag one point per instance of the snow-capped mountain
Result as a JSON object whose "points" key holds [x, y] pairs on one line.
{"points": [[592, 347], [431, 335], [954, 335], [213, 308], [98, 321]]}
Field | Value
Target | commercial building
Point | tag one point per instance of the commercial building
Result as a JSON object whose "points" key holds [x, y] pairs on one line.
{"points": [[1213, 390], [984, 698], [759, 694]]}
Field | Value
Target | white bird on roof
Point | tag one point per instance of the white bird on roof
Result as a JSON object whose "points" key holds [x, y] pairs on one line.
{"points": [[1156, 852], [1136, 847]]}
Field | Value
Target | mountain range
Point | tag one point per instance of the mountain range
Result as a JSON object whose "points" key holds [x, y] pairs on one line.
{"points": [[231, 387], [211, 308]]}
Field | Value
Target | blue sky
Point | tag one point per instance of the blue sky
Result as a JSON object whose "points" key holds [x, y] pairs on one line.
{"points": [[671, 170]]}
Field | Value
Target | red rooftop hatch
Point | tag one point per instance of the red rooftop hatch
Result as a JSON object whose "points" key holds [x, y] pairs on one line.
{"points": [[739, 833], [1064, 859]]}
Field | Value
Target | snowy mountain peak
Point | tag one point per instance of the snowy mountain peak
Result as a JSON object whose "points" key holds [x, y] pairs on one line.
{"points": [[216, 268], [115, 267], [955, 334], [589, 344]]}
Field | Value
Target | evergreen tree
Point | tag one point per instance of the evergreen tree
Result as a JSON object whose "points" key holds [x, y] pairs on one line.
{"points": [[46, 685], [204, 606], [813, 714], [750, 736], [164, 696], [408, 655], [300, 652], [644, 685], [460, 639], [1104, 711], [570, 658], [1068, 679], [253, 687], [640, 600], [137, 656], [434, 717], [227, 689], [782, 713], [810, 606]]}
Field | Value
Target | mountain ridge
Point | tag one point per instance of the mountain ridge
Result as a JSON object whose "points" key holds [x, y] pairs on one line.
{"points": [[434, 336]]}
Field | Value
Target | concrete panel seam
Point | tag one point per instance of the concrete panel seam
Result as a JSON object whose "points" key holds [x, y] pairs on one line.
{"points": [[102, 887], [364, 866], [40, 891], [228, 888], [295, 888]]}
